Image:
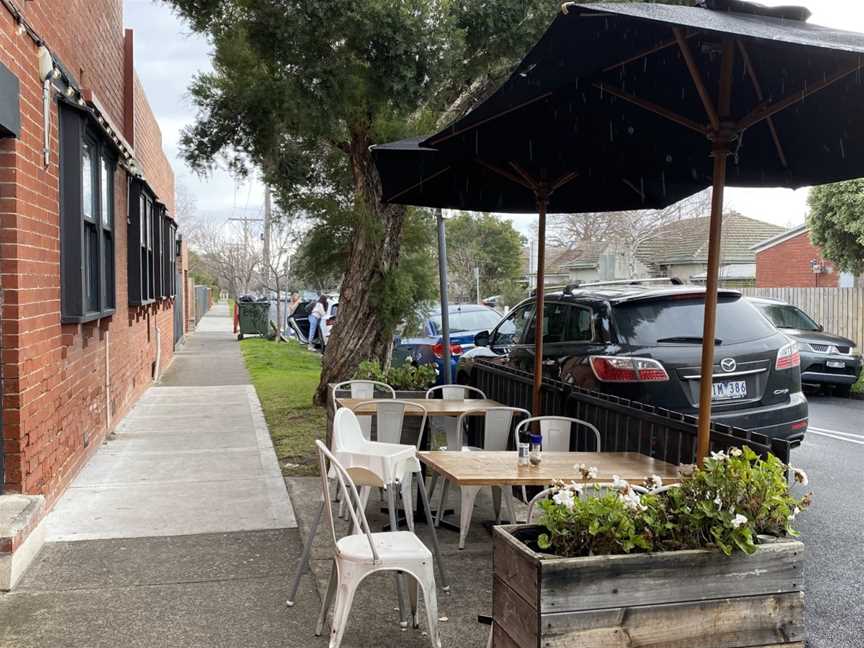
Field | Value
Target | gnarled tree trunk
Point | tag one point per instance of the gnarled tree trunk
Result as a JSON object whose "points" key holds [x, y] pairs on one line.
{"points": [[360, 334]]}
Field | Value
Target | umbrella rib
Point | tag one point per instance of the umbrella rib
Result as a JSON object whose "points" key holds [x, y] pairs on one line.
{"points": [[657, 48], [653, 107], [713, 117], [443, 138], [415, 185], [757, 87], [763, 112], [505, 174]]}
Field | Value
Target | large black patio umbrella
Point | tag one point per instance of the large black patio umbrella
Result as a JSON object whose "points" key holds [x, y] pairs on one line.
{"points": [[635, 106]]}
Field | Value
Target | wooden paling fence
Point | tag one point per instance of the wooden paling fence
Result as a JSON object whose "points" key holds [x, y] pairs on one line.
{"points": [[839, 310]]}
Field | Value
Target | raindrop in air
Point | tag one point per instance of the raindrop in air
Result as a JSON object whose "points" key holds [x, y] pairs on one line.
{"points": [[842, 149], [611, 133]]}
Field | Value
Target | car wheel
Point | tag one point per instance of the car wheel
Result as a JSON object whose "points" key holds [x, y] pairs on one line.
{"points": [[843, 391]]}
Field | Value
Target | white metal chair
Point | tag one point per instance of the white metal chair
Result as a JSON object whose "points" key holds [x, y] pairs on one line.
{"points": [[389, 420], [497, 432], [447, 424], [371, 464], [364, 389], [557, 432], [364, 553]]}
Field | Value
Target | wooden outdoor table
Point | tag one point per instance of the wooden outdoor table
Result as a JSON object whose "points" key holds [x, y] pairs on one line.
{"points": [[481, 468], [434, 406]]}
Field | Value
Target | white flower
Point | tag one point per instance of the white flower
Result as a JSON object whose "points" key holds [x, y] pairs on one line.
{"points": [[617, 482], [719, 503], [719, 456], [593, 472], [738, 520], [564, 498], [575, 487], [795, 513], [655, 481], [632, 500], [736, 452], [587, 472], [800, 476]]}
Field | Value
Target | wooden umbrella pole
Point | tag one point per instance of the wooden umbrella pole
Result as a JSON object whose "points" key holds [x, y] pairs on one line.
{"points": [[721, 152], [721, 149], [536, 402]]}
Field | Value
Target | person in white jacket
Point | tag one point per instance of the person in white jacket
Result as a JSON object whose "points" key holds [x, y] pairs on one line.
{"points": [[316, 318]]}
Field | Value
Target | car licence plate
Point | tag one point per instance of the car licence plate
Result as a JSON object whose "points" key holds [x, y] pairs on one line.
{"points": [[836, 364], [729, 390]]}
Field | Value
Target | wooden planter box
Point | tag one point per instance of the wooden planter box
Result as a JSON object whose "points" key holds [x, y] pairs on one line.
{"points": [[682, 599]]}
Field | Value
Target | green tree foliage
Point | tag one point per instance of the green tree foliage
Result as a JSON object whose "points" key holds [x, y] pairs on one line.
{"points": [[485, 242], [836, 223], [301, 89]]}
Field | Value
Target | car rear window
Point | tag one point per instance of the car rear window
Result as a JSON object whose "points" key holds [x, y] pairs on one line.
{"points": [[680, 320], [474, 320], [789, 317]]}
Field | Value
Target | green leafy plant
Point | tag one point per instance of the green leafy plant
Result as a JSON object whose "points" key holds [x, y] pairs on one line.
{"points": [[405, 377], [727, 504]]}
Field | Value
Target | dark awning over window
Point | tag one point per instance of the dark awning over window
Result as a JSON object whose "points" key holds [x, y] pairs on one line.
{"points": [[10, 116]]}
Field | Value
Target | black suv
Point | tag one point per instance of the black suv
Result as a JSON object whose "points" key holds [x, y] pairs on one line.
{"points": [[643, 343]]}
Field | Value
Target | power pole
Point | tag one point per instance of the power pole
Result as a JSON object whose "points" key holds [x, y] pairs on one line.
{"points": [[477, 281], [267, 219], [245, 220]]}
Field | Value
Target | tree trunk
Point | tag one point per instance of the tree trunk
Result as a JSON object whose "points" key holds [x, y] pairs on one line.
{"points": [[360, 334]]}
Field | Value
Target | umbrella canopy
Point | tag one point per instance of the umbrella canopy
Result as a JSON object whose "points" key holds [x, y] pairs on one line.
{"points": [[637, 105]]}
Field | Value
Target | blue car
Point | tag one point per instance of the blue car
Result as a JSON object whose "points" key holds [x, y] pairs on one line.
{"points": [[466, 320]]}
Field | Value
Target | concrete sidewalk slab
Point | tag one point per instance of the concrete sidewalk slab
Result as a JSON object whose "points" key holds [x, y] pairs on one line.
{"points": [[163, 476]]}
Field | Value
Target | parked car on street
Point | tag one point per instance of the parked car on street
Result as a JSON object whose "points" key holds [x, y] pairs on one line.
{"points": [[298, 323], [826, 359], [643, 342], [466, 320]]}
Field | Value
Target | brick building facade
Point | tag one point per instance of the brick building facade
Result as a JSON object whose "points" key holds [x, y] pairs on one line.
{"points": [[78, 348], [790, 260]]}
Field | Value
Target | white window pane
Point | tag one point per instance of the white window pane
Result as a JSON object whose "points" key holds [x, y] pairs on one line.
{"points": [[105, 181], [87, 180]]}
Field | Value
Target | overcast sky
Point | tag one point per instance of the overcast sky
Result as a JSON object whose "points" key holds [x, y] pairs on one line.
{"points": [[168, 55]]}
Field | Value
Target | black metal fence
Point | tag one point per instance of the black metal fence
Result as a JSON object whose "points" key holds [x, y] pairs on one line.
{"points": [[625, 426]]}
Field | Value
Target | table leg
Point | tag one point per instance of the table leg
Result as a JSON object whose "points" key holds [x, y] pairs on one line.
{"points": [[421, 485], [304, 559]]}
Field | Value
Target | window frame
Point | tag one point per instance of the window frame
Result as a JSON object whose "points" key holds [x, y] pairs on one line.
{"points": [[87, 270]]}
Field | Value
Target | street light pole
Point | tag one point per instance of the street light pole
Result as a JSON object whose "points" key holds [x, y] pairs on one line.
{"points": [[445, 302]]}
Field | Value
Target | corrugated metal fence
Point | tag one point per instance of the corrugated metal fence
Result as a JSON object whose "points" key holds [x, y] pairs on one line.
{"points": [[839, 310], [202, 302]]}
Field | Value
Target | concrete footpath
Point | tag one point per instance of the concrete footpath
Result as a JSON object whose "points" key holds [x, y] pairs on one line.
{"points": [[179, 532]]}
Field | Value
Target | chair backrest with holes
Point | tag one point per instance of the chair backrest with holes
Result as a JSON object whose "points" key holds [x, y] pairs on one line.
{"points": [[557, 431], [454, 392], [352, 498], [497, 426], [364, 389], [390, 418]]}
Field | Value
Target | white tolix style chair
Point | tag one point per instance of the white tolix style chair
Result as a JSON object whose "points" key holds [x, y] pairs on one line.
{"points": [[447, 424], [557, 433], [497, 432], [389, 420], [364, 553]]}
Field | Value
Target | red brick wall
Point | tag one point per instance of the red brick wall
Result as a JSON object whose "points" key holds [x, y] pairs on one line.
{"points": [[65, 386], [787, 264]]}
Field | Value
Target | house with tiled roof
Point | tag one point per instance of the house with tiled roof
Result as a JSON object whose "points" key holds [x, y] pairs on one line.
{"points": [[680, 249]]}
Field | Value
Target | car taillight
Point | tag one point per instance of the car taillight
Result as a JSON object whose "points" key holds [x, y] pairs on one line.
{"points": [[626, 369], [438, 350], [788, 357]]}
